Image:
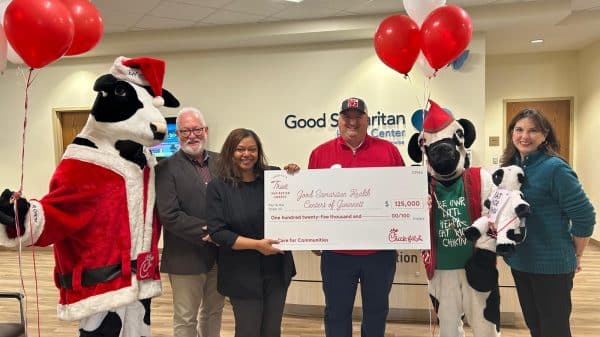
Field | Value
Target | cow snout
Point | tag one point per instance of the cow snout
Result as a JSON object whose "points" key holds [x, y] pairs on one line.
{"points": [[159, 130], [443, 157]]}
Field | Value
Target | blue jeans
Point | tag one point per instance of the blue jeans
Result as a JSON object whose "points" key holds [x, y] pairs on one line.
{"points": [[341, 274]]}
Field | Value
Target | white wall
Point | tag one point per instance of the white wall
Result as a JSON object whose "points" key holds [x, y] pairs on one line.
{"points": [[526, 76], [587, 124], [253, 88]]}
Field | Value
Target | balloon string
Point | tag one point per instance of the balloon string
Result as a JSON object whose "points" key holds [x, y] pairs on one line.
{"points": [[426, 92], [413, 86], [27, 86], [35, 278], [423, 106], [15, 197], [29, 79]]}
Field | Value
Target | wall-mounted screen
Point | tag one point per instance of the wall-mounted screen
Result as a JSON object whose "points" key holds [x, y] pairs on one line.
{"points": [[171, 143]]}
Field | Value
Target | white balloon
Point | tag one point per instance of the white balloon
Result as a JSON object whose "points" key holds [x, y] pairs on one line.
{"points": [[424, 66], [2, 49], [11, 54], [419, 9]]}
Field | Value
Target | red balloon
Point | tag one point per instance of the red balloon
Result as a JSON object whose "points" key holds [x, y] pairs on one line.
{"points": [[397, 42], [445, 34], [40, 31], [88, 25]]}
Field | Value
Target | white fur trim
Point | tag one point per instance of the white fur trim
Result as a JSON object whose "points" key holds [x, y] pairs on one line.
{"points": [[158, 101], [34, 221], [126, 73], [109, 301], [147, 242], [487, 187]]}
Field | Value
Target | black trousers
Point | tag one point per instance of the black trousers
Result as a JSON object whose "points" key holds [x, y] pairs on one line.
{"points": [[546, 302], [261, 317]]}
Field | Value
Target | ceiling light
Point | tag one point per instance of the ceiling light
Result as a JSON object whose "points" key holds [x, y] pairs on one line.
{"points": [[294, 0], [537, 41]]}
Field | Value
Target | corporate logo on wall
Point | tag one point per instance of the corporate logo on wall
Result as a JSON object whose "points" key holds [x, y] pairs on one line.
{"points": [[381, 125]]}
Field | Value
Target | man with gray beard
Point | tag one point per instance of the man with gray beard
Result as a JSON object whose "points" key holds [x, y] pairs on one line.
{"points": [[188, 256]]}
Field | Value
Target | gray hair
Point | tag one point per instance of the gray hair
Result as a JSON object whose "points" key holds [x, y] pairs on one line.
{"points": [[193, 110]]}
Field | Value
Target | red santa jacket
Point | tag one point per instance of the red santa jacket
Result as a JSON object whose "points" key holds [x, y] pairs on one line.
{"points": [[99, 214]]}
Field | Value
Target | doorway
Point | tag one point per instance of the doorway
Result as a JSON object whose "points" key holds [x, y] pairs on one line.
{"points": [[557, 111], [67, 124]]}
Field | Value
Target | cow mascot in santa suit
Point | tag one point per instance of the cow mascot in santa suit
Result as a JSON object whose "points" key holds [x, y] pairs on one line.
{"points": [[99, 214], [457, 194]]}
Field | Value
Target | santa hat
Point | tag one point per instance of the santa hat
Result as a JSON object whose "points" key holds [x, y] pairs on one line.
{"points": [[436, 119], [143, 71]]}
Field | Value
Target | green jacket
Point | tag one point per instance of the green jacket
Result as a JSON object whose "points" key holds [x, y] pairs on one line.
{"points": [[560, 209]]}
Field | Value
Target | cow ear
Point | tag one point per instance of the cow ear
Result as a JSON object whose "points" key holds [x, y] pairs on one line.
{"points": [[170, 100], [469, 129], [497, 176], [414, 150], [105, 82]]}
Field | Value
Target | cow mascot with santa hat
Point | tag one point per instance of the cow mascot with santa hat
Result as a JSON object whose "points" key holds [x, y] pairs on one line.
{"points": [[99, 213], [457, 194]]}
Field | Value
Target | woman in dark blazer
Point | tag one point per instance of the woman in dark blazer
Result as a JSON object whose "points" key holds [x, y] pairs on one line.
{"points": [[252, 273]]}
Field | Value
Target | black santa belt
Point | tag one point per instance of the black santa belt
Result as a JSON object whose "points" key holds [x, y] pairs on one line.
{"points": [[90, 277]]}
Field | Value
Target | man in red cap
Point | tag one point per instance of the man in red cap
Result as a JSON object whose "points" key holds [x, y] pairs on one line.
{"points": [[341, 271]]}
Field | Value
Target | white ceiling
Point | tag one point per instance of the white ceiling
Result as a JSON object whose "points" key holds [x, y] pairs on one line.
{"points": [[150, 26]]}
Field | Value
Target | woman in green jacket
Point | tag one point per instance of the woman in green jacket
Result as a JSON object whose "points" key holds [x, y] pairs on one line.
{"points": [[561, 222]]}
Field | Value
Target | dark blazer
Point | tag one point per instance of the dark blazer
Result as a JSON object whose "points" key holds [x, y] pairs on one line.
{"points": [[180, 200], [239, 273]]}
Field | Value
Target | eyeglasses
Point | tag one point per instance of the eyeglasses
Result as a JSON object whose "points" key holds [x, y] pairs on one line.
{"points": [[196, 131]]}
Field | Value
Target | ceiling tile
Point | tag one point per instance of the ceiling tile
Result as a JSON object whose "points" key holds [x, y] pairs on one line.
{"points": [[297, 11], [258, 7], [207, 3], [577, 18], [123, 19], [467, 3], [578, 5], [228, 17], [338, 4], [129, 6], [181, 11], [150, 22], [377, 7]]}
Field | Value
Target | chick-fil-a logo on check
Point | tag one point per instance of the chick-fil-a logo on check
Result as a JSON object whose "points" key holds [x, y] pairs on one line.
{"points": [[393, 236]]}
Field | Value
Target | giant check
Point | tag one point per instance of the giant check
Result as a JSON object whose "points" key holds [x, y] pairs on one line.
{"points": [[352, 208]]}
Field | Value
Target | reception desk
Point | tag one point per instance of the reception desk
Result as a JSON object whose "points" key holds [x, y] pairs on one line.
{"points": [[409, 300]]}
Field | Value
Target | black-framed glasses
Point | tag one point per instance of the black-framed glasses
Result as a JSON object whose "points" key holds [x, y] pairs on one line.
{"points": [[196, 131]]}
